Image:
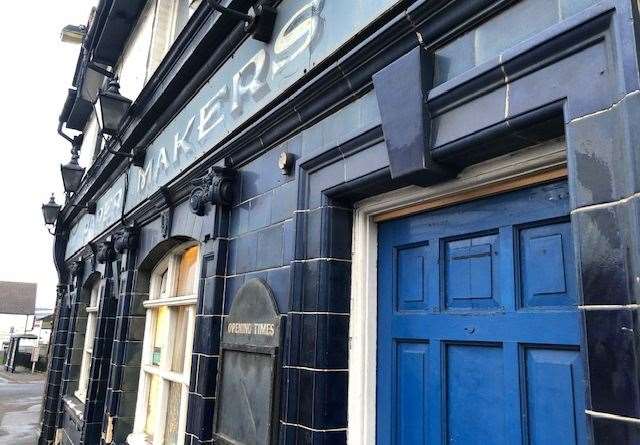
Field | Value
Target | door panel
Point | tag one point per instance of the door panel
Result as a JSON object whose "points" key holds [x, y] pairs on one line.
{"points": [[547, 276], [554, 395], [475, 393], [412, 395], [411, 281], [471, 272], [478, 328]]}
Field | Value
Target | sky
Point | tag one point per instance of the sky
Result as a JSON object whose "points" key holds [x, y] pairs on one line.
{"points": [[35, 73]]}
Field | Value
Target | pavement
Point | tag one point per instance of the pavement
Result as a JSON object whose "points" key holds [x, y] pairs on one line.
{"points": [[20, 402]]}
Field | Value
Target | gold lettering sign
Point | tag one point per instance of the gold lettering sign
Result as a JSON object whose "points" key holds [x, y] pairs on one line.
{"points": [[267, 329]]}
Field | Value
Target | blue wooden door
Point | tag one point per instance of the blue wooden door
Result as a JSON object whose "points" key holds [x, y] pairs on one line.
{"points": [[478, 328]]}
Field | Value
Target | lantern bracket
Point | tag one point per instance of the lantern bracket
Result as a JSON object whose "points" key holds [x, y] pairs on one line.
{"points": [[259, 22]]}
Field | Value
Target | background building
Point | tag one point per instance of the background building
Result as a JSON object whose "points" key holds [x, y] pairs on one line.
{"points": [[17, 308], [373, 221]]}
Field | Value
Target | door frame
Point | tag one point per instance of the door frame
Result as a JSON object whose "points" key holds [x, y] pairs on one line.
{"points": [[533, 165]]}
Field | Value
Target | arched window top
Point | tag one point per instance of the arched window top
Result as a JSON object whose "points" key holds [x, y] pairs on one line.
{"points": [[176, 275]]}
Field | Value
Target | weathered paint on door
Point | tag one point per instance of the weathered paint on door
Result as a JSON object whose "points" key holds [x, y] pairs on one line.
{"points": [[478, 328]]}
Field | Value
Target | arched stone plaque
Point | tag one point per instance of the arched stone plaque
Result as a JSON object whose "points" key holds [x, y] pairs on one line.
{"points": [[247, 393]]}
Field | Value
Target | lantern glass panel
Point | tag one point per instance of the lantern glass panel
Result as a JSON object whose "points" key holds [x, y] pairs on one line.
{"points": [[72, 175], [50, 213], [113, 107]]}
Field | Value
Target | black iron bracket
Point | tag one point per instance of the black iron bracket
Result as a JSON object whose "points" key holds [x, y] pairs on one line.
{"points": [[76, 140], [91, 207], [215, 188], [137, 156], [259, 21], [98, 69]]}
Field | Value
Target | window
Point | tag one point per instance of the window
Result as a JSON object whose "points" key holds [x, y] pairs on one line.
{"points": [[171, 16], [87, 350], [158, 26], [132, 68], [166, 356], [91, 144]]}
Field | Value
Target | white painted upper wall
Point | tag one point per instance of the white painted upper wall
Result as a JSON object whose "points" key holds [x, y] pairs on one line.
{"points": [[158, 26], [87, 151], [132, 68]]}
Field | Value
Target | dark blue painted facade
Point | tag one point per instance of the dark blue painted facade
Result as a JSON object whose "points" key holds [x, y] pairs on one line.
{"points": [[578, 78]]}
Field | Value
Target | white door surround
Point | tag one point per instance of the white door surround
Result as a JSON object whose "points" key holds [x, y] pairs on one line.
{"points": [[516, 170]]}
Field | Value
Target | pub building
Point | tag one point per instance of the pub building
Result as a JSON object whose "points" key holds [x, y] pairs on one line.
{"points": [[354, 221]]}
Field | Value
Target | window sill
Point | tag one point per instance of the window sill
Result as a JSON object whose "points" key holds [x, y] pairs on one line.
{"points": [[171, 301], [138, 439], [80, 397], [74, 406]]}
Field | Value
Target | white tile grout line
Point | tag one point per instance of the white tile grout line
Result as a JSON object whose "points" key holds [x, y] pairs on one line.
{"points": [[606, 204], [313, 429], [321, 259], [508, 88], [305, 368], [342, 314], [610, 107], [608, 416], [608, 307]]}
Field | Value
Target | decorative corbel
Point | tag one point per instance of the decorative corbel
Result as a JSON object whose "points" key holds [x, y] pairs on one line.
{"points": [[106, 253], [61, 290], [215, 188], [75, 268], [75, 271], [126, 239], [94, 254]]}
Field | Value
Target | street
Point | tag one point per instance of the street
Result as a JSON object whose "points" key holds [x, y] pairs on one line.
{"points": [[20, 401]]}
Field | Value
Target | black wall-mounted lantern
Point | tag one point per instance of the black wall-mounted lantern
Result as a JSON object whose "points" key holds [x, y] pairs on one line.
{"points": [[72, 173], [113, 107], [50, 211], [259, 22]]}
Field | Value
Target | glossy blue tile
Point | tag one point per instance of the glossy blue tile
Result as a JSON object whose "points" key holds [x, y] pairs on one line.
{"points": [[604, 261], [289, 241], [207, 335], [606, 431], [232, 286], [280, 283], [246, 253], [270, 247], [207, 376], [212, 296], [613, 361], [321, 180], [284, 202], [260, 211]]}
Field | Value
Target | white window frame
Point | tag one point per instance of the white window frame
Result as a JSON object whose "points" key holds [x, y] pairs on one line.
{"points": [[171, 264], [363, 325], [89, 336]]}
